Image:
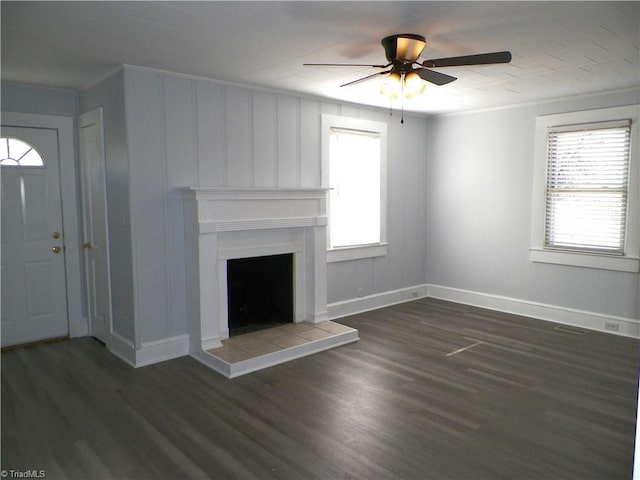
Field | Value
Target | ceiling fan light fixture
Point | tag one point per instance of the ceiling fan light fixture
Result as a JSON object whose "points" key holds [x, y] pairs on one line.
{"points": [[413, 85], [393, 85]]}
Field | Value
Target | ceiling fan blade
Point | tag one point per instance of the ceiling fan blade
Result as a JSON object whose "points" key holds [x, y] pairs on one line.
{"points": [[343, 65], [364, 78], [479, 59], [436, 78]]}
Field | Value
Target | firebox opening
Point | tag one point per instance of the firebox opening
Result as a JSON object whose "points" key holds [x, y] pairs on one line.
{"points": [[259, 292]]}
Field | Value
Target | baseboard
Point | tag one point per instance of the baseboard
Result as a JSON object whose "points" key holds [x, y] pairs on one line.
{"points": [[122, 348], [627, 327], [210, 342], [373, 302], [149, 352], [178, 346], [161, 350], [79, 328]]}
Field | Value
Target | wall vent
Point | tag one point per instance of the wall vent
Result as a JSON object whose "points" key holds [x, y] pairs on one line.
{"points": [[613, 326]]}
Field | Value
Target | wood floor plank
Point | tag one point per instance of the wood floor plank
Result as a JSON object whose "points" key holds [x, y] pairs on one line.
{"points": [[433, 390]]}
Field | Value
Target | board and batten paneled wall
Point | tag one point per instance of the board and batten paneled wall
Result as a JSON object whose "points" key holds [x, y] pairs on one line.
{"points": [[186, 131]]}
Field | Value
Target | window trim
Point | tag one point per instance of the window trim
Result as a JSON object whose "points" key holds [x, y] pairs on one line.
{"points": [[340, 254], [630, 261]]}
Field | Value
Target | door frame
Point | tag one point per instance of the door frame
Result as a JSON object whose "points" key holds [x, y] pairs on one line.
{"points": [[95, 115], [78, 325]]}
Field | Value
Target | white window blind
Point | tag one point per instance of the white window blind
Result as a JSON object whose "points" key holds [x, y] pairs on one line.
{"points": [[587, 187]]}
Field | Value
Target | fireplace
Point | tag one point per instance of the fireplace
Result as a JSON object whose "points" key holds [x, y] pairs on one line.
{"points": [[259, 292], [226, 224]]}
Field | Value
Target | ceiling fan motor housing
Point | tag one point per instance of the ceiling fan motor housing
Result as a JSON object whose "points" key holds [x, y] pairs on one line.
{"points": [[403, 47]]}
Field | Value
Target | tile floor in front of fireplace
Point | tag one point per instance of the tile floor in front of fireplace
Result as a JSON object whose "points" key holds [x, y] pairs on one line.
{"points": [[263, 342]]}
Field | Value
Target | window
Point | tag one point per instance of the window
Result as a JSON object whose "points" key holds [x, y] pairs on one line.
{"points": [[354, 168], [589, 190], [17, 153], [587, 182], [354, 172]]}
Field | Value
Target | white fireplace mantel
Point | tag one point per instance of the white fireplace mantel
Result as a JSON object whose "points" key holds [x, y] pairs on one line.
{"points": [[227, 223]]}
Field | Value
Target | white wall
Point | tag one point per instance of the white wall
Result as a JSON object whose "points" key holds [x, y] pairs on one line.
{"points": [[109, 94], [32, 99], [479, 219], [185, 131]]}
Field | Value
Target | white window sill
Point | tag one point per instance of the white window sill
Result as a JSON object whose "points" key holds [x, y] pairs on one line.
{"points": [[344, 254], [588, 260]]}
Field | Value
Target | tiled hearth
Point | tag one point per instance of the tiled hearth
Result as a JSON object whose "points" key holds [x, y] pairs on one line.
{"points": [[222, 224], [256, 350]]}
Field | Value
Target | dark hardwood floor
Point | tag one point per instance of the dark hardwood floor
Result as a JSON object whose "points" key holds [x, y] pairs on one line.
{"points": [[433, 390]]}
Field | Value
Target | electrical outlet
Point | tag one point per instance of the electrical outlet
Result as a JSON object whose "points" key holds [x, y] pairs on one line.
{"points": [[613, 326]]}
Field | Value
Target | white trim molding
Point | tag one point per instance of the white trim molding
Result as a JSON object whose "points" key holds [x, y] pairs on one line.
{"points": [[149, 352], [628, 327], [161, 350], [178, 346], [576, 259], [630, 261], [229, 223], [122, 348], [344, 254], [375, 301], [329, 122]]}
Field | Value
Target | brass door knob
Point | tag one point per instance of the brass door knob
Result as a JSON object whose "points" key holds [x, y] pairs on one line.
{"points": [[56, 249], [55, 235], [87, 245]]}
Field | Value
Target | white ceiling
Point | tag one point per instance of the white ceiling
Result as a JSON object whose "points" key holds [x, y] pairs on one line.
{"points": [[559, 48]]}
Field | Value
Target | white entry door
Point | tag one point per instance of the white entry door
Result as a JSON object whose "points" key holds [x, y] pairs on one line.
{"points": [[34, 300], [94, 212]]}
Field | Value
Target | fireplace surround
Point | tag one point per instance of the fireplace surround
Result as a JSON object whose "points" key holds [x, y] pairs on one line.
{"points": [[232, 223]]}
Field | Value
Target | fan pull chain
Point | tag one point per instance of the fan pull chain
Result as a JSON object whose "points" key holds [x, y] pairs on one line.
{"points": [[402, 99]]}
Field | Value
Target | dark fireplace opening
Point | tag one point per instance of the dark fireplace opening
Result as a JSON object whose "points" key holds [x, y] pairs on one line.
{"points": [[259, 292]]}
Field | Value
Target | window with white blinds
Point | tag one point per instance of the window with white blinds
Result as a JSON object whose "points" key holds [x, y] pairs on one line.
{"points": [[587, 187]]}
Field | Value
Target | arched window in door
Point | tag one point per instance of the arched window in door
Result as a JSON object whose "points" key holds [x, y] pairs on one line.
{"points": [[18, 153]]}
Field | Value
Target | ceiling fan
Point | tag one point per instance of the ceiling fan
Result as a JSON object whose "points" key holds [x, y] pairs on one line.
{"points": [[402, 52]]}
